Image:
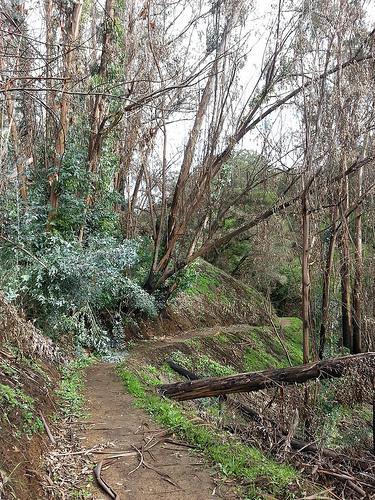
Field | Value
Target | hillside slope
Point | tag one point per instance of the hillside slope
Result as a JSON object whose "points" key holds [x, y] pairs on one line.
{"points": [[207, 296], [28, 377]]}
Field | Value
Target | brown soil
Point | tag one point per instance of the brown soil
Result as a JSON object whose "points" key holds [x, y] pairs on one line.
{"points": [[171, 470]]}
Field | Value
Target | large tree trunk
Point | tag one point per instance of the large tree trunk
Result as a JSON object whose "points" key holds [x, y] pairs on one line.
{"points": [[71, 38], [256, 381], [347, 334], [357, 288], [306, 317], [326, 284]]}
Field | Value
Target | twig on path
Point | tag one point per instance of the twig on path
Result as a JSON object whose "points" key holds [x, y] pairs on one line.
{"points": [[82, 452], [141, 459], [179, 443], [319, 496], [163, 475], [48, 430], [104, 486]]}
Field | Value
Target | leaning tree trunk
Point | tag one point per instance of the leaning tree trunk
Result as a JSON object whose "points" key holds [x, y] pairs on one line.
{"points": [[256, 381]]}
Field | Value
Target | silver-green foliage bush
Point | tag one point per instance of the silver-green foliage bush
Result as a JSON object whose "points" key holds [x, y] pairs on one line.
{"points": [[79, 290]]}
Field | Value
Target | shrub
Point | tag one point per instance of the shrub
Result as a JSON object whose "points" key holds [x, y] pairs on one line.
{"points": [[78, 290]]}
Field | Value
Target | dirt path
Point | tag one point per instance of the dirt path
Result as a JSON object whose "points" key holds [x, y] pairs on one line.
{"points": [[117, 424]]}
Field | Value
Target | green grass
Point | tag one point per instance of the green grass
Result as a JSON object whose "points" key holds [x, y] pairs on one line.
{"points": [[71, 388], [257, 356], [211, 368], [259, 359], [231, 457], [201, 282]]}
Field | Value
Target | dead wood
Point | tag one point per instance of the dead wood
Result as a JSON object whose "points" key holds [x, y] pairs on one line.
{"points": [[103, 485], [255, 381], [48, 430], [182, 371]]}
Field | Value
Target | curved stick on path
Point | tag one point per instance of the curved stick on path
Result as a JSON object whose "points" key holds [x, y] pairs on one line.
{"points": [[104, 486]]}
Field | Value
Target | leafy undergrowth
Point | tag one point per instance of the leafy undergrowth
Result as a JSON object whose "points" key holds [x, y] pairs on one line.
{"points": [[259, 474]]}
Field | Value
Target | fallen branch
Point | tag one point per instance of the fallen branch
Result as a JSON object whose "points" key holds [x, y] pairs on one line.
{"points": [[104, 486], [255, 381], [48, 430]]}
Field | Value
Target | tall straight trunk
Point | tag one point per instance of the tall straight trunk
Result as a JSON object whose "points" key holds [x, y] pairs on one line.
{"points": [[358, 273], [346, 308], [72, 36], [20, 165], [326, 284], [306, 318], [97, 118], [98, 111], [13, 128]]}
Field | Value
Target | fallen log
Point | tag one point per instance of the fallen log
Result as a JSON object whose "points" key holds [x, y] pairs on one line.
{"points": [[248, 413], [244, 410], [256, 381]]}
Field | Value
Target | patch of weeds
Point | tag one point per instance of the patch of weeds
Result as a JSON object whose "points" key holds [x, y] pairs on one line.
{"points": [[16, 400], [231, 457], [71, 387], [203, 364], [193, 343], [7, 369], [210, 367], [182, 359], [197, 281], [33, 424], [81, 493], [167, 370], [259, 359], [35, 367], [151, 375], [132, 383], [223, 339]]}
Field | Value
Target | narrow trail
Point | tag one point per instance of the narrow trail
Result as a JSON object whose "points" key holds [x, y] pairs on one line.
{"points": [[171, 471]]}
